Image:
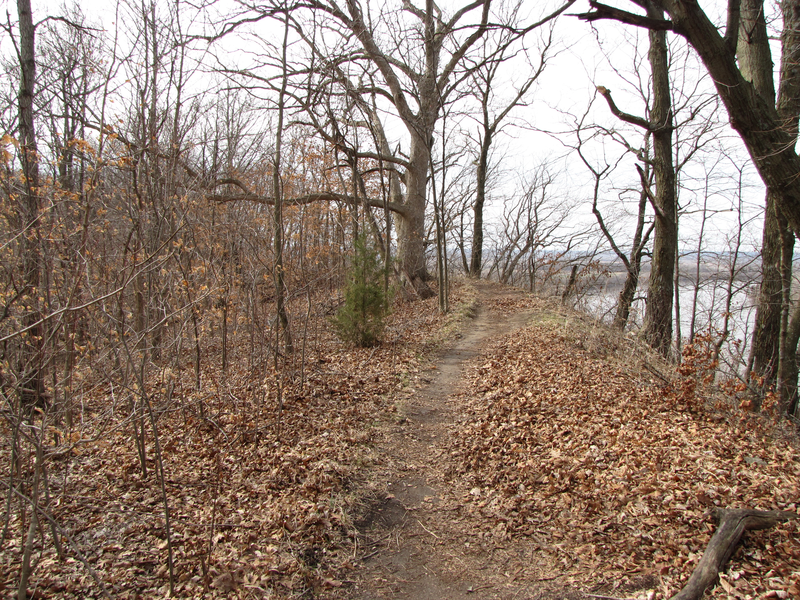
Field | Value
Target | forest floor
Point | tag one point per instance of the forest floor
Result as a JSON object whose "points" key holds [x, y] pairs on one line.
{"points": [[548, 458], [514, 449]]}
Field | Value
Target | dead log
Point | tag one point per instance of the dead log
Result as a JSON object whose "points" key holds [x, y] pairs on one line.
{"points": [[732, 525]]}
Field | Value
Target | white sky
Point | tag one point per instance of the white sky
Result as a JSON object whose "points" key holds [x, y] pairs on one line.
{"points": [[566, 87]]}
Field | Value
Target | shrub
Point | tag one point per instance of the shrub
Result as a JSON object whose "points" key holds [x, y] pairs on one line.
{"points": [[360, 320]]}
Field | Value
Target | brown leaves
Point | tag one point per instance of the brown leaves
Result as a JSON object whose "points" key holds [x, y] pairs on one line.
{"points": [[583, 454], [259, 504]]}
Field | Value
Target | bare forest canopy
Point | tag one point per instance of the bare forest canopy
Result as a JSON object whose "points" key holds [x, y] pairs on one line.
{"points": [[193, 190]]}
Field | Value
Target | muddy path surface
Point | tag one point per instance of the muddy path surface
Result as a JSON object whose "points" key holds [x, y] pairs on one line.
{"points": [[416, 539]]}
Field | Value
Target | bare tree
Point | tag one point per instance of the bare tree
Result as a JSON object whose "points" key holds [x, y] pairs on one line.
{"points": [[418, 53], [769, 142], [495, 55], [659, 123], [277, 193], [769, 334], [31, 359], [531, 239], [633, 260]]}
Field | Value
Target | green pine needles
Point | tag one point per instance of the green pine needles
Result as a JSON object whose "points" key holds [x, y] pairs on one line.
{"points": [[366, 304]]}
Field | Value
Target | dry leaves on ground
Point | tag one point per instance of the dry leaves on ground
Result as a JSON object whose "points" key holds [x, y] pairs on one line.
{"points": [[259, 495], [580, 453]]}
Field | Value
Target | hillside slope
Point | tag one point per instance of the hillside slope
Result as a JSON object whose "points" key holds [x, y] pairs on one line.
{"points": [[570, 443]]}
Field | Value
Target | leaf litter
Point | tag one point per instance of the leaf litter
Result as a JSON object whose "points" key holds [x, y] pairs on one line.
{"points": [[569, 443], [565, 445], [260, 494]]}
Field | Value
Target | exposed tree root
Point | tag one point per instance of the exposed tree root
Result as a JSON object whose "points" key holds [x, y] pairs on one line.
{"points": [[732, 525]]}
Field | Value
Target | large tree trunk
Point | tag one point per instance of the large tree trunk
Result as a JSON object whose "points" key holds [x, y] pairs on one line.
{"points": [[411, 223], [755, 60], [756, 65], [31, 388], [658, 315], [766, 334], [476, 259]]}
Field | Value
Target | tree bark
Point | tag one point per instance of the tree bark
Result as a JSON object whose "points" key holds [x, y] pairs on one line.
{"points": [[282, 324], [789, 111], [767, 353], [411, 224], [732, 525], [755, 60], [766, 334], [31, 389], [658, 307], [634, 263], [476, 258]]}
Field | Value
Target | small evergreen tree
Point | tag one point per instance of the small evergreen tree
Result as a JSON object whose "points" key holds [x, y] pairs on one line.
{"points": [[366, 303]]}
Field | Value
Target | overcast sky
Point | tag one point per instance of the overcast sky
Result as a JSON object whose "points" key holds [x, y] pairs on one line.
{"points": [[584, 55]]}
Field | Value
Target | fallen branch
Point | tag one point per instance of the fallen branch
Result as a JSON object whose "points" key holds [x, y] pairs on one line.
{"points": [[732, 525]]}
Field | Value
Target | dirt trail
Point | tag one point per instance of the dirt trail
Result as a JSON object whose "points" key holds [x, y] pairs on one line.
{"points": [[417, 541]]}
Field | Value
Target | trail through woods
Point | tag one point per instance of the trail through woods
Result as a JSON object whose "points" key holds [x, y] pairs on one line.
{"points": [[417, 549], [544, 459], [534, 455]]}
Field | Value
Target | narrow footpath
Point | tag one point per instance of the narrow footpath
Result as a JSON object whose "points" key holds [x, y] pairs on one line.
{"points": [[416, 540]]}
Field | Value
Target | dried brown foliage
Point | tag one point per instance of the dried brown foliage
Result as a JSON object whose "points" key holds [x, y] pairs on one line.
{"points": [[570, 444], [260, 497], [567, 445]]}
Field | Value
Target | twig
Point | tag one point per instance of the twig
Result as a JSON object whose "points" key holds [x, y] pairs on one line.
{"points": [[70, 539], [160, 464], [428, 530], [378, 541], [655, 372]]}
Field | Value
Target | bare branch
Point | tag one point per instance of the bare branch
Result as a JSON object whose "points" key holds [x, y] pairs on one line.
{"points": [[628, 118], [308, 199], [603, 11]]}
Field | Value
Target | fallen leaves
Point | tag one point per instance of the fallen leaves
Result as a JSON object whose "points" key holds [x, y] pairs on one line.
{"points": [[565, 445], [580, 451], [258, 489]]}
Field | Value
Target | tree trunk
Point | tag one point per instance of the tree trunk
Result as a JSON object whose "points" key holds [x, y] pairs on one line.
{"points": [[634, 264], [411, 223], [626, 295], [476, 259], [766, 334], [31, 361], [755, 60], [789, 366], [789, 111], [282, 324], [756, 65], [658, 308]]}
